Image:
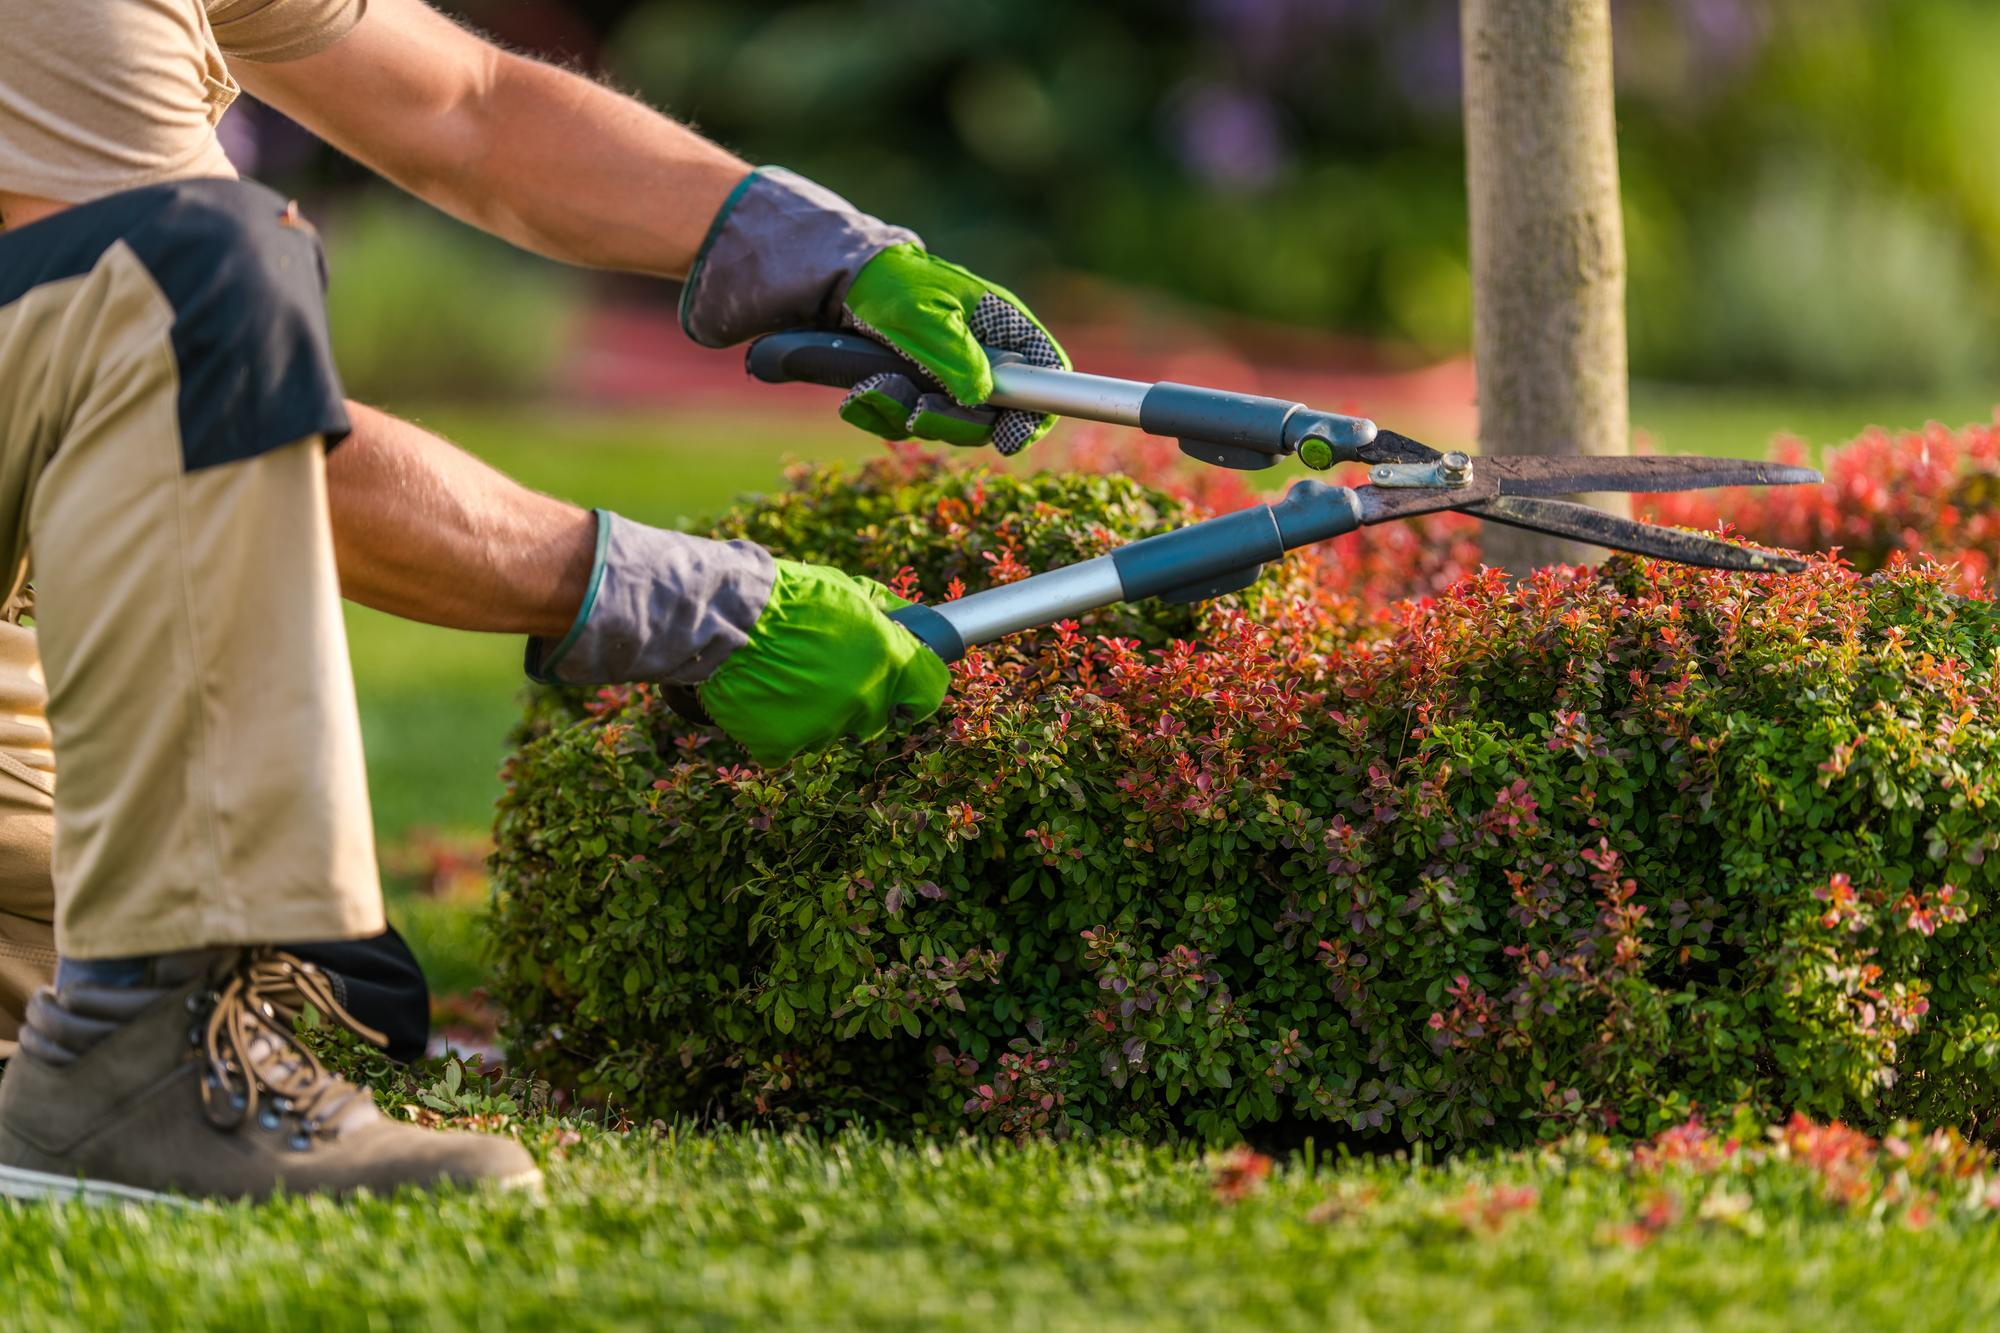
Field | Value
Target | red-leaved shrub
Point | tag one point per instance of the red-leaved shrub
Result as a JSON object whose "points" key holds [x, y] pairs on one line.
{"points": [[1594, 849], [1906, 495], [1929, 493]]}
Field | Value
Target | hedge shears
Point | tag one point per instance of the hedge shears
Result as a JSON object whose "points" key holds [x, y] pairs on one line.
{"points": [[1224, 554]]}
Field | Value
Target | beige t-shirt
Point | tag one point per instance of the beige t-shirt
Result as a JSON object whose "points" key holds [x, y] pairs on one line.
{"points": [[98, 96]]}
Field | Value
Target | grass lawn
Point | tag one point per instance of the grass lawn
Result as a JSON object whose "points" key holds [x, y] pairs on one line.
{"points": [[724, 1230], [728, 1229], [1689, 420]]}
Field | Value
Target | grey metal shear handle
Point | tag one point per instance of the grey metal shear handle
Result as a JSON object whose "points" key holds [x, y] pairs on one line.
{"points": [[1237, 430], [1189, 564]]}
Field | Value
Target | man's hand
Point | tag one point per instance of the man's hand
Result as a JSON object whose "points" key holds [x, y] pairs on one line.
{"points": [[942, 317], [823, 661], [785, 253], [787, 657]]}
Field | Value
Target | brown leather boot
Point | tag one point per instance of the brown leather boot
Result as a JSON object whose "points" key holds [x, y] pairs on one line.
{"points": [[206, 1092]]}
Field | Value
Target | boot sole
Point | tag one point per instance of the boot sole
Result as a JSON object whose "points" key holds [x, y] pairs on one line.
{"points": [[17, 1182]]}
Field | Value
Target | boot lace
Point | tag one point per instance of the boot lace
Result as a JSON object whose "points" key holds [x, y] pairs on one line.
{"points": [[257, 1066]]}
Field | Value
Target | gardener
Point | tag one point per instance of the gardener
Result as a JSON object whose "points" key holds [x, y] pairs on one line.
{"points": [[168, 468]]}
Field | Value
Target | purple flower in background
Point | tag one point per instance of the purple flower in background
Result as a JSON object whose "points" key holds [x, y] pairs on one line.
{"points": [[1228, 137], [1426, 61], [265, 143], [1269, 33], [1725, 32], [239, 138]]}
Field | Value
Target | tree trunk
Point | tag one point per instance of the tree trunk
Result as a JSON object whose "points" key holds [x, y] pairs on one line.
{"points": [[1548, 246]]}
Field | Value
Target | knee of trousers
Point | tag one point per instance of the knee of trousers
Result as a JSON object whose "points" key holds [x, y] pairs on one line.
{"points": [[245, 276]]}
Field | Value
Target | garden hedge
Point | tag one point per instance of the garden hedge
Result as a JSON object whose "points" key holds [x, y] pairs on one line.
{"points": [[1600, 848]]}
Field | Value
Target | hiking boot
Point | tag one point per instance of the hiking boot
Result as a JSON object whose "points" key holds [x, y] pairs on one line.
{"points": [[202, 1089]]}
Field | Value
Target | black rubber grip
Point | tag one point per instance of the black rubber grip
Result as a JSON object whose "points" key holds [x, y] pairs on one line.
{"points": [[808, 356], [684, 701], [1313, 511], [1215, 416], [932, 630], [1192, 557]]}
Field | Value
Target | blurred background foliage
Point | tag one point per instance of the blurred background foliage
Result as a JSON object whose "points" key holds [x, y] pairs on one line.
{"points": [[1809, 186], [427, 308]]}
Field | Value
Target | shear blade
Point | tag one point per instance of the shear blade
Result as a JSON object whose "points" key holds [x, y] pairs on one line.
{"points": [[1564, 518], [1532, 476], [1390, 447]]}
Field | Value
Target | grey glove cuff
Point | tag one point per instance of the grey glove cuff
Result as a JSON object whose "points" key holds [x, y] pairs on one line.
{"points": [[780, 254], [661, 606]]}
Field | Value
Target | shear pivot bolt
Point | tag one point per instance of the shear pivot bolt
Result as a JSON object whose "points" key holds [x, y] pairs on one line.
{"points": [[1455, 468]]}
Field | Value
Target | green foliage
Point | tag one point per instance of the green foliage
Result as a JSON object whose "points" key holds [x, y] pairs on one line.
{"points": [[422, 305], [1807, 183], [1818, 275], [1591, 850]]}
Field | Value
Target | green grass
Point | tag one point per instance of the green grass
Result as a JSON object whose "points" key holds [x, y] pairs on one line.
{"points": [[1743, 422], [724, 1230]]}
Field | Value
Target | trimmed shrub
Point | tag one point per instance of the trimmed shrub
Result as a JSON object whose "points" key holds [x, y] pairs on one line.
{"points": [[1889, 496], [1599, 849]]}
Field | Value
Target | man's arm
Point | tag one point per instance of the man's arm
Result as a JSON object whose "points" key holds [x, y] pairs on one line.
{"points": [[543, 157], [568, 168], [426, 531], [565, 167]]}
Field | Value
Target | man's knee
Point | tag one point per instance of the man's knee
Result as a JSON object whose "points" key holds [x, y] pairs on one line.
{"points": [[246, 279]]}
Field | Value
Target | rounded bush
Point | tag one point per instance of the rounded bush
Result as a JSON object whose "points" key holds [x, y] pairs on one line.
{"points": [[1599, 848]]}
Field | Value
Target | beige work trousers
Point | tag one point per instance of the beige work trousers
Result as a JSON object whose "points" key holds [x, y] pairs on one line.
{"points": [[187, 614], [27, 828]]}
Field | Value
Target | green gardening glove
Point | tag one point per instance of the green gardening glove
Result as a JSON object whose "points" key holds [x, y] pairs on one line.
{"points": [[785, 253], [940, 316], [785, 657], [823, 661]]}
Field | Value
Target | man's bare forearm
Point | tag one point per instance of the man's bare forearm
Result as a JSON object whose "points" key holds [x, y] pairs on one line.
{"points": [[423, 530], [548, 159], [640, 200]]}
